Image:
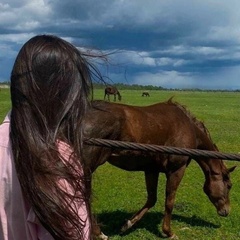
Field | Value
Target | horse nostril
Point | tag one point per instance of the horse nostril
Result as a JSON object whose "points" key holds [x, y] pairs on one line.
{"points": [[223, 212]]}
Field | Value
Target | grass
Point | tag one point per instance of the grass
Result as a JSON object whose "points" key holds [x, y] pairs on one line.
{"points": [[5, 103], [118, 194]]}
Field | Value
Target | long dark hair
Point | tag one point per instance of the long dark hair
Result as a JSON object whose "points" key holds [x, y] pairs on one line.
{"points": [[50, 88]]}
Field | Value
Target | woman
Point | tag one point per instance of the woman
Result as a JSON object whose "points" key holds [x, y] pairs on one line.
{"points": [[45, 186]]}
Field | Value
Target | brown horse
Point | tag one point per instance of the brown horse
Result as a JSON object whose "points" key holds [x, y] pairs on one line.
{"points": [[145, 94], [168, 124], [110, 90]]}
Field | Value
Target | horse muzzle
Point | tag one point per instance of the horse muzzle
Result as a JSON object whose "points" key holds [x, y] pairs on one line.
{"points": [[223, 212]]}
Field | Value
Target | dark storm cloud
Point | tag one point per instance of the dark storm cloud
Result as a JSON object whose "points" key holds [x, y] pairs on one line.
{"points": [[170, 43]]}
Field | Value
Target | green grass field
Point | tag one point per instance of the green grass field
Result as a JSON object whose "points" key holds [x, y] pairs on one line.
{"points": [[118, 194]]}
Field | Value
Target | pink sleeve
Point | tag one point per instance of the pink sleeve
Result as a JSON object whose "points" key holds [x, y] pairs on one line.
{"points": [[37, 231]]}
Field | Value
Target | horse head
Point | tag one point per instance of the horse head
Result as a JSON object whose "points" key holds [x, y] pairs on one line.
{"points": [[217, 187], [217, 177]]}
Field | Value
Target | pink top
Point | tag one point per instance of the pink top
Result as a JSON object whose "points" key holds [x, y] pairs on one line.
{"points": [[17, 219]]}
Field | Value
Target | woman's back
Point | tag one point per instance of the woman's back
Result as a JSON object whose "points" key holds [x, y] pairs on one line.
{"points": [[18, 220]]}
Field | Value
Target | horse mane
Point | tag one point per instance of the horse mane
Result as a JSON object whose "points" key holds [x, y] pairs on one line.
{"points": [[199, 124]]}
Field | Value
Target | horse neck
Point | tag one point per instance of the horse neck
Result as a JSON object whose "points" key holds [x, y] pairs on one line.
{"points": [[208, 165]]}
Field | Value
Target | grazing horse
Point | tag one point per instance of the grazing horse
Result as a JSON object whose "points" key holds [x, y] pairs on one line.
{"points": [[145, 94], [167, 123], [110, 90]]}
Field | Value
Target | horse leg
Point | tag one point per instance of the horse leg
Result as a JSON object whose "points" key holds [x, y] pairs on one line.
{"points": [[151, 179], [114, 97], [173, 181], [97, 233]]}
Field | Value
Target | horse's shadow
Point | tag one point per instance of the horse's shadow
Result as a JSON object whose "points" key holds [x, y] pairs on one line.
{"points": [[111, 222]]}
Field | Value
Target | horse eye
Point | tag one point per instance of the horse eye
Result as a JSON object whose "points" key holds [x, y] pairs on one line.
{"points": [[225, 177]]}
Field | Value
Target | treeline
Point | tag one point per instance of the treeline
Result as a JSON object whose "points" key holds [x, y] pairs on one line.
{"points": [[5, 83], [122, 86]]}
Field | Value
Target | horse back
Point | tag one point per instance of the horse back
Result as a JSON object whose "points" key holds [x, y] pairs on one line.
{"points": [[162, 124]]}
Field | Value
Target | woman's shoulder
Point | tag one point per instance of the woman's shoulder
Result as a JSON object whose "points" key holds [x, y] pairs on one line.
{"points": [[4, 132]]}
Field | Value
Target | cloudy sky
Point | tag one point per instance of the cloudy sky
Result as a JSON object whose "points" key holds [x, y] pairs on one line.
{"points": [[168, 43]]}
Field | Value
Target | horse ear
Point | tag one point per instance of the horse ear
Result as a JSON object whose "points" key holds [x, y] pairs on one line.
{"points": [[231, 169]]}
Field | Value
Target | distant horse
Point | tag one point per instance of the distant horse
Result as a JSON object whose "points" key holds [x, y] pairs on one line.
{"points": [[110, 90], [168, 124], [145, 94]]}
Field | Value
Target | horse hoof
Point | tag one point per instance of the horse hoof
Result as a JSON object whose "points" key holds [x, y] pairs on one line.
{"points": [[102, 236], [174, 236], [126, 226]]}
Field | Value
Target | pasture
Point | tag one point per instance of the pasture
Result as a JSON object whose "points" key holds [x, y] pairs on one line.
{"points": [[118, 194]]}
